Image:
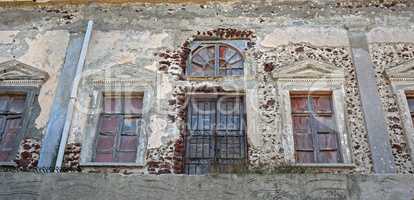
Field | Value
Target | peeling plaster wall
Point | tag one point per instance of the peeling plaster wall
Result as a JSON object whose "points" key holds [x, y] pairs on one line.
{"points": [[42, 50], [135, 34]]}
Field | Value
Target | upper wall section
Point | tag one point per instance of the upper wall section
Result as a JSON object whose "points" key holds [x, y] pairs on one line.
{"points": [[44, 51], [188, 16]]}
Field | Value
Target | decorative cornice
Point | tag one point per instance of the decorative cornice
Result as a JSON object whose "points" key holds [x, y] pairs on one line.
{"points": [[15, 73], [402, 72], [120, 75], [309, 80], [109, 83], [308, 70], [21, 83]]}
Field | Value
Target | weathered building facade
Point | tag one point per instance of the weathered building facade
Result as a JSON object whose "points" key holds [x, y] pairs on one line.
{"points": [[206, 87]]}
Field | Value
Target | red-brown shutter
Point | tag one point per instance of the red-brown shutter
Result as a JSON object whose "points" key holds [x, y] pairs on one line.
{"points": [[133, 104], [117, 140], [106, 138], [17, 104], [410, 101], [302, 134], [299, 104], [9, 141], [325, 130], [129, 139], [315, 138]]}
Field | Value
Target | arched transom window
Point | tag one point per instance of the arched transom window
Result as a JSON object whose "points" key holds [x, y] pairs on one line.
{"points": [[217, 59]]}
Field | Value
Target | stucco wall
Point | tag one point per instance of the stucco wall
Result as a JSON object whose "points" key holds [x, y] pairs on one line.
{"points": [[44, 50], [134, 35], [263, 187]]}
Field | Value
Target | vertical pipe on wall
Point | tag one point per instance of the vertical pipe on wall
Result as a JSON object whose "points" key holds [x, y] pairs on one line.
{"points": [[73, 95]]}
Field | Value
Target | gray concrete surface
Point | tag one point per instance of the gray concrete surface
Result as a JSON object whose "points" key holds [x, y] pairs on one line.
{"points": [[277, 186]]}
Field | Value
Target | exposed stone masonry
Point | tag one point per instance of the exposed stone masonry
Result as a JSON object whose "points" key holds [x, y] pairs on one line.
{"points": [[28, 155], [174, 62], [339, 56], [71, 157], [271, 154], [387, 56], [372, 3], [170, 158], [161, 160], [47, 36]]}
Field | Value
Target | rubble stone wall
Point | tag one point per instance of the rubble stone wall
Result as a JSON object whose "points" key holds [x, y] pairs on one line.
{"points": [[150, 41]]}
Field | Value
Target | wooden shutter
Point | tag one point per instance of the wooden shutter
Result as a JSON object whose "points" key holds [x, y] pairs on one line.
{"points": [[410, 101], [324, 127], [302, 132], [106, 138], [9, 141], [127, 150], [314, 129], [119, 129], [17, 104], [11, 122]]}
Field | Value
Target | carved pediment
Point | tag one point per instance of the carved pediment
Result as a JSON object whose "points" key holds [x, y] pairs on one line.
{"points": [[15, 70], [309, 69], [401, 72], [130, 73]]}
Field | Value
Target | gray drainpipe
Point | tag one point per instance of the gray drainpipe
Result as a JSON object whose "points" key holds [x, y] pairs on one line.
{"points": [[73, 96]]}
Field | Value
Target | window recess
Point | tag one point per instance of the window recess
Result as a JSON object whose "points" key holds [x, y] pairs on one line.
{"points": [[216, 59], [216, 134], [119, 129], [315, 138], [12, 108]]}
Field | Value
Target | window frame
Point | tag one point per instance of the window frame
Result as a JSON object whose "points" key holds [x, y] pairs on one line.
{"points": [[31, 93], [95, 108], [410, 95], [215, 97], [120, 126], [239, 45], [403, 89], [285, 87], [311, 114]]}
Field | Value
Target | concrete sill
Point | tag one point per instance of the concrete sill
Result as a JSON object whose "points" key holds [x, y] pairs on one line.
{"points": [[214, 78], [320, 165], [8, 164], [109, 164]]}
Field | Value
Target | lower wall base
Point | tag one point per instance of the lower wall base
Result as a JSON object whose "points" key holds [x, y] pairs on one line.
{"points": [[278, 186]]}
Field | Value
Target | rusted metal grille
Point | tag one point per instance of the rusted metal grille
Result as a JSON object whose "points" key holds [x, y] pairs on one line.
{"points": [[314, 128], [11, 120], [119, 129], [216, 138]]}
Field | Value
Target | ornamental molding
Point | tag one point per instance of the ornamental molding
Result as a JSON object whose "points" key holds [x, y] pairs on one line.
{"points": [[16, 73], [402, 72], [312, 86], [308, 70], [119, 75]]}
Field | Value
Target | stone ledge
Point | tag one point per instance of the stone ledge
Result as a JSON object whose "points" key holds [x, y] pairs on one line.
{"points": [[281, 186], [328, 165], [36, 2], [8, 164], [108, 164]]}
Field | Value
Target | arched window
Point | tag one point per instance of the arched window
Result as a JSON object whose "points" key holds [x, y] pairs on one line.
{"points": [[217, 59]]}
